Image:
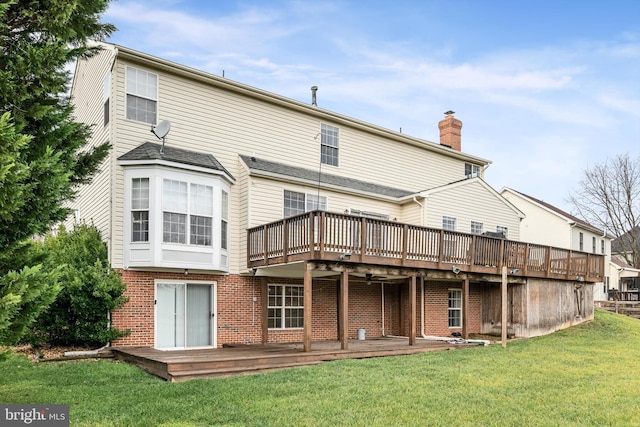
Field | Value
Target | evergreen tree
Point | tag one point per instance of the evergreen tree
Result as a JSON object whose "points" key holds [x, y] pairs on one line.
{"points": [[37, 40], [41, 157]]}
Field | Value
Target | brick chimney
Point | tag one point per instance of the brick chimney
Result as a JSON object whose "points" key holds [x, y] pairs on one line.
{"points": [[450, 135]]}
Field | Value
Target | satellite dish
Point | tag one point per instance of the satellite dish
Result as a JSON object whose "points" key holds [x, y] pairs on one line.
{"points": [[162, 129]]}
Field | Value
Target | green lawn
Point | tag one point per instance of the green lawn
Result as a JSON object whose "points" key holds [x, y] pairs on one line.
{"points": [[586, 375]]}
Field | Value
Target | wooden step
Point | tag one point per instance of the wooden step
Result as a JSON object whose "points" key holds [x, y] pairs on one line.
{"points": [[227, 372]]}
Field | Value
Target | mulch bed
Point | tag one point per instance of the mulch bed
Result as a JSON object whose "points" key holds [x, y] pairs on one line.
{"points": [[44, 352]]}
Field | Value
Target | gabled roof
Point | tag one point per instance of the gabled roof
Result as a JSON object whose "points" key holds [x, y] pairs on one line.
{"points": [[620, 244], [151, 152], [472, 181], [263, 167], [557, 211]]}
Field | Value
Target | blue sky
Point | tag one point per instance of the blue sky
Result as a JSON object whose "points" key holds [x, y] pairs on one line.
{"points": [[545, 89]]}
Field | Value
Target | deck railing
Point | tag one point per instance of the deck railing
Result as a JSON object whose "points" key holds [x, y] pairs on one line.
{"points": [[327, 236]]}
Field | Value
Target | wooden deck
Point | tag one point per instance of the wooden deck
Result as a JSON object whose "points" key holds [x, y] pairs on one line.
{"points": [[334, 237], [182, 365]]}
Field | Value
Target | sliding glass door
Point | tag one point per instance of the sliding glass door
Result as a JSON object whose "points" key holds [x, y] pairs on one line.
{"points": [[185, 315]]}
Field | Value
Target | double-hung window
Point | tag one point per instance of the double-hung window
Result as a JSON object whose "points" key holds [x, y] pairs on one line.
{"points": [[329, 139], [140, 210], [286, 307], [174, 211], [142, 95], [455, 308], [448, 223], [476, 227], [296, 203], [201, 218], [224, 225], [581, 241]]}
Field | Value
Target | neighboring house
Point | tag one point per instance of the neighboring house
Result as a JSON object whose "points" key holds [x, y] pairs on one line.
{"points": [[259, 218], [624, 281], [622, 247], [546, 224]]}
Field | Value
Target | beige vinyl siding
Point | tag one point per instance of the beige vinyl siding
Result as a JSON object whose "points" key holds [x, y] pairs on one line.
{"points": [[472, 202], [267, 201], [412, 213], [210, 119], [93, 200]]}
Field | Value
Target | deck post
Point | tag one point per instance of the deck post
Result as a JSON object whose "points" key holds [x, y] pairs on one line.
{"points": [[344, 311], [308, 280], [503, 305], [465, 308], [264, 306], [412, 303]]}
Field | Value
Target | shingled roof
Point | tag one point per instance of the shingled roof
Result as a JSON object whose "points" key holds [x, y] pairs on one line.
{"points": [[151, 151], [567, 215], [312, 176]]}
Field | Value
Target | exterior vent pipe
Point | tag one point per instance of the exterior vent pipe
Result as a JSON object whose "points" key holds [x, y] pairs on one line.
{"points": [[314, 89]]}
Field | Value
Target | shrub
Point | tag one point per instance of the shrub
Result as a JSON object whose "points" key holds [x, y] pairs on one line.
{"points": [[90, 291]]}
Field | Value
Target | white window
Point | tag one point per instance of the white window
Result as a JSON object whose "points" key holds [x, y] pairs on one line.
{"points": [[502, 230], [296, 203], [581, 241], [329, 139], [471, 170], [286, 307], [140, 210], [224, 226], [448, 223], [476, 227], [142, 95], [455, 308], [201, 209], [315, 203], [182, 203]]}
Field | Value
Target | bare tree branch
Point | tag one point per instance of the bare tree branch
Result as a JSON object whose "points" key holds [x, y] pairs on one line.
{"points": [[608, 197]]}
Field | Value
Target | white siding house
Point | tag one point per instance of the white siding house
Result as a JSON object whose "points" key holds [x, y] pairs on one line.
{"points": [[548, 225]]}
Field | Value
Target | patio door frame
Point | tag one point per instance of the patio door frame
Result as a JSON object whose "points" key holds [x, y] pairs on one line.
{"points": [[213, 314]]}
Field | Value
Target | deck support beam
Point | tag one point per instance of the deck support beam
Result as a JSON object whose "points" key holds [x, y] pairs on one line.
{"points": [[344, 311], [308, 300], [412, 304], [503, 305]]}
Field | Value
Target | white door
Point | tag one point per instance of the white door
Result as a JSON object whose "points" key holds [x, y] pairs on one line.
{"points": [[185, 315]]}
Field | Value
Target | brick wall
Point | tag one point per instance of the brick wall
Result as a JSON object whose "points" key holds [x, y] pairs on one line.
{"points": [[239, 308]]}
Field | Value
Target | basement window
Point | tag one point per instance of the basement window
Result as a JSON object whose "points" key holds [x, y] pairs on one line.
{"points": [[455, 308], [286, 307]]}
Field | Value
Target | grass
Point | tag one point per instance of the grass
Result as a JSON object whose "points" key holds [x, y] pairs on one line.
{"points": [[581, 376]]}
